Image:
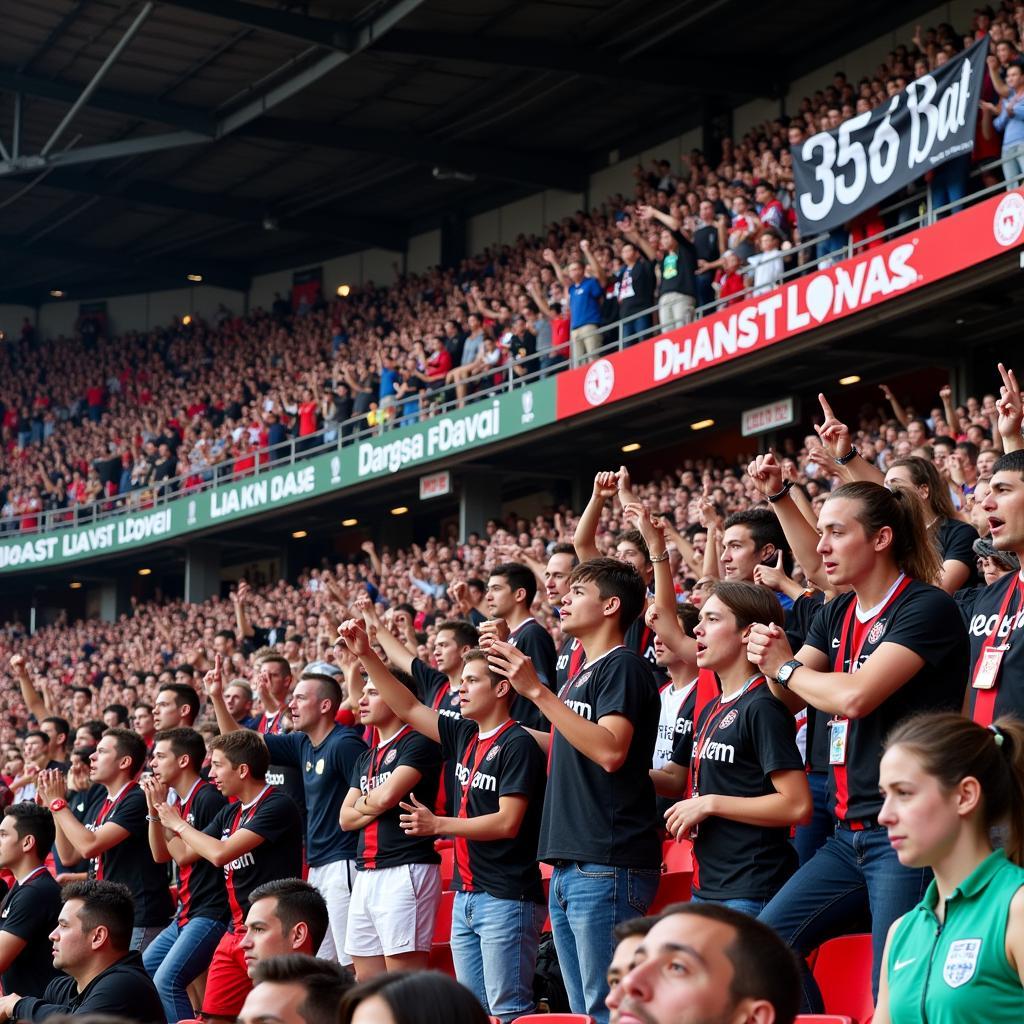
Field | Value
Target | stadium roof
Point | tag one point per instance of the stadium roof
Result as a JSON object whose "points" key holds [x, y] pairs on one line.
{"points": [[145, 141]]}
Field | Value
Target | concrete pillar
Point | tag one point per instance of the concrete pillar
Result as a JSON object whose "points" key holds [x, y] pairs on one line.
{"points": [[479, 500], [202, 571], [115, 598]]}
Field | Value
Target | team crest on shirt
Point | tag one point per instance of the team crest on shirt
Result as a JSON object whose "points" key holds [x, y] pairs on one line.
{"points": [[582, 679], [390, 756], [492, 753], [729, 719], [876, 632], [961, 962]]}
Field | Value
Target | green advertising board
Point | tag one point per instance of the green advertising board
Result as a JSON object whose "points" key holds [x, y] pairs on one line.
{"points": [[442, 437]]}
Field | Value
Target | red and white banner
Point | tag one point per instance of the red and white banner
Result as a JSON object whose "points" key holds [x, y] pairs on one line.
{"points": [[909, 262]]}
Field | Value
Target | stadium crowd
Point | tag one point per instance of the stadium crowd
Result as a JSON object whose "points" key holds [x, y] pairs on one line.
{"points": [[587, 690], [90, 420]]}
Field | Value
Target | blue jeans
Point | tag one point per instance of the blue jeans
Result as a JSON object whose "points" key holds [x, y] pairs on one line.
{"points": [[810, 837], [494, 948], [853, 874], [1013, 164], [637, 326], [745, 906], [176, 957], [586, 901], [949, 183]]}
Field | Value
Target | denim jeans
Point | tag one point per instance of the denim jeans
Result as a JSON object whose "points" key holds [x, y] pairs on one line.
{"points": [[949, 183], [745, 906], [176, 957], [636, 327], [810, 837], [1013, 164], [494, 948], [586, 901], [853, 874]]}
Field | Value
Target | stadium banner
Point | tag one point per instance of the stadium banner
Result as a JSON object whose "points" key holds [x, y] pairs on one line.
{"points": [[841, 173], [912, 261], [481, 423]]}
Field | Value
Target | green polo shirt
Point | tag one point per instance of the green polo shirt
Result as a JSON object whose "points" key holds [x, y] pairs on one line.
{"points": [[956, 972]]}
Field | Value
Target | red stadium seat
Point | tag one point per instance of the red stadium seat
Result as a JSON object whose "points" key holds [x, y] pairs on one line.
{"points": [[546, 870], [441, 949], [677, 856], [447, 866], [823, 1018], [191, 1020], [555, 1018], [843, 973], [674, 888]]}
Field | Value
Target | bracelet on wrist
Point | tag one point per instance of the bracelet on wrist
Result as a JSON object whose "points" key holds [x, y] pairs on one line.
{"points": [[151, 817], [659, 558], [842, 460], [787, 486]]}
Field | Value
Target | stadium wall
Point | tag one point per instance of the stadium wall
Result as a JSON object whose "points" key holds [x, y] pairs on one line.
{"points": [[12, 317]]}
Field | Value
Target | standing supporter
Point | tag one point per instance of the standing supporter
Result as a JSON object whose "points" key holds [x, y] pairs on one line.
{"points": [[114, 837], [636, 290], [29, 911], [143, 724], [257, 839], [498, 911], [102, 975], [325, 754], [561, 562], [892, 646], [57, 729], [585, 295], [598, 827], [238, 698], [183, 950], [398, 876], [747, 783], [750, 538], [952, 536], [676, 269], [285, 916], [176, 706], [709, 241], [1009, 120], [959, 954], [274, 680]]}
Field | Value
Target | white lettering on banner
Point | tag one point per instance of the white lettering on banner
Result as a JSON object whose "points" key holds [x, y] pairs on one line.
{"points": [[257, 493], [41, 550], [447, 434], [131, 531], [828, 293], [96, 538]]}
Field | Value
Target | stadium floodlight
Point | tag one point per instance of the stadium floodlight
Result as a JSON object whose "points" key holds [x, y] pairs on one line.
{"points": [[56, 293], [400, 510], [350, 522], [344, 290], [633, 446], [299, 534], [194, 278], [145, 572], [702, 424], [852, 379]]}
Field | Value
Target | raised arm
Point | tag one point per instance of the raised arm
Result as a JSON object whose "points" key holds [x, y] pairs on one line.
{"points": [[397, 653], [549, 255], [35, 703], [835, 436], [595, 268], [1010, 409], [897, 410], [239, 598], [606, 485]]}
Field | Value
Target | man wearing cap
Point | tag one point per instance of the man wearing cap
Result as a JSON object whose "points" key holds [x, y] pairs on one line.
{"points": [[993, 564], [325, 753]]}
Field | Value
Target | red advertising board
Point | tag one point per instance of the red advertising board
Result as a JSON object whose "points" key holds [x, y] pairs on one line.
{"points": [[901, 266]]}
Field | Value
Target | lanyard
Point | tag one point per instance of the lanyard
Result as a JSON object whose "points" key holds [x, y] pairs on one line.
{"points": [[707, 732], [846, 638], [985, 701], [375, 762], [253, 808]]}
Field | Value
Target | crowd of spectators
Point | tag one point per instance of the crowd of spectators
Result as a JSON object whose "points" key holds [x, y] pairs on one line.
{"points": [[89, 421]]}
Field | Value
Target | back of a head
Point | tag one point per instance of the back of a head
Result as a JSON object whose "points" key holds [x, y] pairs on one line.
{"points": [[324, 982], [416, 997]]}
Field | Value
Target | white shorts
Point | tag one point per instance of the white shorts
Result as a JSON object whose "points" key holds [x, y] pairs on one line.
{"points": [[334, 882], [393, 910]]}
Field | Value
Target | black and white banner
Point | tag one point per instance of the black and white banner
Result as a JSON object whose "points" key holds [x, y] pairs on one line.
{"points": [[841, 173]]}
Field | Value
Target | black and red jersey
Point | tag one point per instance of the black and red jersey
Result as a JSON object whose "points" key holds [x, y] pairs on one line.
{"points": [[286, 776], [383, 843], [274, 817], [130, 861], [640, 639], [201, 891], [434, 689], [921, 618], [504, 762], [570, 661]]}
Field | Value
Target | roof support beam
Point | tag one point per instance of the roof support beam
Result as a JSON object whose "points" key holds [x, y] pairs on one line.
{"points": [[321, 31]]}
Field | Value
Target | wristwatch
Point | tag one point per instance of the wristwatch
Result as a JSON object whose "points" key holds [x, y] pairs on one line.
{"points": [[57, 805], [786, 671]]}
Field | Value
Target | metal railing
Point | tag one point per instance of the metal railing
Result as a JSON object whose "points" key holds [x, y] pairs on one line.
{"points": [[438, 400]]}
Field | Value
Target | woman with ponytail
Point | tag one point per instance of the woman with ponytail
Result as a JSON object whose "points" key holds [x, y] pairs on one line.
{"points": [[893, 645], [958, 956], [953, 538]]}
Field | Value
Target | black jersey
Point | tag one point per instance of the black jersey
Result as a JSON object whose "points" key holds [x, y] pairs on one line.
{"points": [[569, 662], [996, 614], [738, 743], [535, 642], [274, 817], [591, 814], [201, 891], [383, 843], [286, 776], [640, 639], [798, 624], [922, 619], [29, 912], [955, 540], [435, 690], [507, 762], [130, 861]]}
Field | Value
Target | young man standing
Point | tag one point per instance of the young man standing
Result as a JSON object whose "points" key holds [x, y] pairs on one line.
{"points": [[29, 911], [325, 754], [598, 827], [182, 951], [114, 836], [176, 705], [101, 974], [257, 839], [398, 876], [498, 911], [143, 724]]}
